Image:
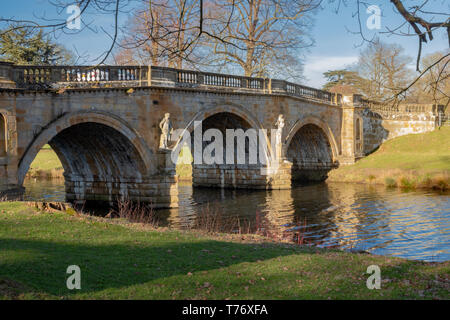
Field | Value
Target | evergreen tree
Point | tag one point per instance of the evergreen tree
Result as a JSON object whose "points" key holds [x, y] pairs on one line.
{"points": [[29, 46], [340, 77]]}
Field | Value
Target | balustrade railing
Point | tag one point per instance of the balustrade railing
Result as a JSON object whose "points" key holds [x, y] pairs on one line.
{"points": [[395, 107], [31, 76], [303, 91], [379, 106], [45, 77], [219, 80]]}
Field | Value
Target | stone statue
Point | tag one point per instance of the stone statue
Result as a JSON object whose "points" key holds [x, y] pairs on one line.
{"points": [[166, 130], [278, 145]]}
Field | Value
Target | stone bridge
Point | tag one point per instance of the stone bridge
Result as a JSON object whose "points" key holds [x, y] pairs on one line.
{"points": [[104, 124]]}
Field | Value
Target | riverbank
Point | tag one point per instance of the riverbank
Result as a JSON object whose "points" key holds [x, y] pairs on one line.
{"points": [[122, 260], [411, 161]]}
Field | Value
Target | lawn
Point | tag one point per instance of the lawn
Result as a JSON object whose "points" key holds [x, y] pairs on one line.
{"points": [[46, 164], [416, 160], [119, 260]]}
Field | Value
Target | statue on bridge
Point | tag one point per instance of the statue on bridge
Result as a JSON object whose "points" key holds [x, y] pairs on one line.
{"points": [[166, 130], [279, 133]]}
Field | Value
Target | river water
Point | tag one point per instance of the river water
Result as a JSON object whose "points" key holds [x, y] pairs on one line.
{"points": [[412, 225]]}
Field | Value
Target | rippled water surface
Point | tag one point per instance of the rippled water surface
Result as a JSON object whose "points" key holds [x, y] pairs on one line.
{"points": [[413, 225]]}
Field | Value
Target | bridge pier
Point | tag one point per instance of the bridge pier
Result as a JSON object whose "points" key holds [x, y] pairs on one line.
{"points": [[159, 190], [351, 131], [242, 176], [9, 184]]}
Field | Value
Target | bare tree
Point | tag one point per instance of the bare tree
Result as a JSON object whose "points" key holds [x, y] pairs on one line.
{"points": [[422, 27], [168, 24], [164, 32], [434, 86], [259, 36], [383, 70]]}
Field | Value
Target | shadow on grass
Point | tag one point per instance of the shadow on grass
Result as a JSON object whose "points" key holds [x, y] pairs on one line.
{"points": [[42, 265]]}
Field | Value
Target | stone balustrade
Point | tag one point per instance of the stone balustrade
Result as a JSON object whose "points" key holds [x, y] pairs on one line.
{"points": [[397, 108], [56, 77]]}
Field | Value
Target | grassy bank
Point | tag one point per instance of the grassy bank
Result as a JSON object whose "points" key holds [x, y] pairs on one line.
{"points": [[46, 165], [119, 260], [411, 161]]}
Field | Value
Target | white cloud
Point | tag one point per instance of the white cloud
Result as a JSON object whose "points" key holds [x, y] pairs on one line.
{"points": [[315, 66]]}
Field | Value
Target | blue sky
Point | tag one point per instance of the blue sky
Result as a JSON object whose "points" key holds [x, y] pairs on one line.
{"points": [[335, 47]]}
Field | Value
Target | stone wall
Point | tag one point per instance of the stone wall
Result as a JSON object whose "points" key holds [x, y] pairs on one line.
{"points": [[241, 177], [380, 125], [159, 191]]}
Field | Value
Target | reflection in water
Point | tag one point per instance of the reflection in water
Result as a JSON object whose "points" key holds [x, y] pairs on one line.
{"points": [[413, 225]]}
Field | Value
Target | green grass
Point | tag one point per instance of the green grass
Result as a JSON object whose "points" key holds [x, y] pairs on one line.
{"points": [[131, 261], [46, 164], [426, 151], [415, 160]]}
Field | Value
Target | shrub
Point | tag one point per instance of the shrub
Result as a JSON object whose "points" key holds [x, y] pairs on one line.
{"points": [[441, 184], [390, 182], [407, 183]]}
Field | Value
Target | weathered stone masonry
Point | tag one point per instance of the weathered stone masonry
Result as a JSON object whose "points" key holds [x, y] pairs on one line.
{"points": [[104, 126]]}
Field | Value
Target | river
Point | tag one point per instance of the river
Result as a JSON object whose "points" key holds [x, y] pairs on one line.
{"points": [[408, 224]]}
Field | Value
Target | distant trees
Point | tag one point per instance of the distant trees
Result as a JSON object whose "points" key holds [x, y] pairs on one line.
{"points": [[434, 86], [383, 69], [425, 20], [259, 37], [384, 73], [30, 46], [380, 74], [341, 77]]}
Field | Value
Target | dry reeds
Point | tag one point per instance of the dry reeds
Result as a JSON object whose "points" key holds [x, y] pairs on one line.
{"points": [[134, 212], [52, 174]]}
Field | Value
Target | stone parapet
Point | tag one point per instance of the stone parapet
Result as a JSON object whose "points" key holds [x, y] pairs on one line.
{"points": [[6, 76]]}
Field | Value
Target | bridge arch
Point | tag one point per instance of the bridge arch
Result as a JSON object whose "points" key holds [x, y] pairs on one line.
{"points": [[227, 175], [94, 142], [317, 122], [311, 147], [234, 109]]}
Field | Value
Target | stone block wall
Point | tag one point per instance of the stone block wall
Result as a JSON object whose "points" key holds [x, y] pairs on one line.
{"points": [[159, 191], [241, 177], [382, 125]]}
